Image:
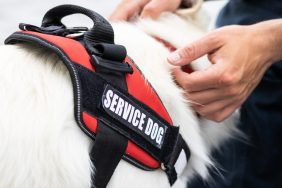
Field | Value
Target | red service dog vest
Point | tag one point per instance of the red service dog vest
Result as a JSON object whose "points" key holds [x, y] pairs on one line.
{"points": [[114, 104]]}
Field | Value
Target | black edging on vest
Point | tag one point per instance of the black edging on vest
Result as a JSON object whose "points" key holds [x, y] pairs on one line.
{"points": [[107, 58]]}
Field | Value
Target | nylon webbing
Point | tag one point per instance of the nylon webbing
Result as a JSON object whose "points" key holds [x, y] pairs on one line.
{"points": [[109, 145], [107, 150], [102, 31], [169, 166]]}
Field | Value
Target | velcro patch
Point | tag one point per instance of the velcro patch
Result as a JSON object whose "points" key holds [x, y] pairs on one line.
{"points": [[129, 113]]}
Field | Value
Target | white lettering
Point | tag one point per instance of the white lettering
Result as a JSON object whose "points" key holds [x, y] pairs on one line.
{"points": [[160, 135], [119, 107], [126, 110], [136, 115], [141, 123], [131, 114], [114, 102], [149, 126], [107, 101], [154, 131]]}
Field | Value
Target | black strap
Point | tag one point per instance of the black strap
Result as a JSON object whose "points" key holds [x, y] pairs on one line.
{"points": [[111, 144], [99, 40], [101, 31], [106, 153], [169, 165]]}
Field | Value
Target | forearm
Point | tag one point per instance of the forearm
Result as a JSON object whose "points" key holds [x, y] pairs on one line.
{"points": [[271, 35]]}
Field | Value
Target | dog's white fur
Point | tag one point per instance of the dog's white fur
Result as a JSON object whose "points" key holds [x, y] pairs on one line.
{"points": [[41, 145]]}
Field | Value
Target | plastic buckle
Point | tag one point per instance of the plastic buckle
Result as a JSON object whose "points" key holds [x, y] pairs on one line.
{"points": [[122, 67], [62, 30], [54, 30], [59, 30], [75, 30]]}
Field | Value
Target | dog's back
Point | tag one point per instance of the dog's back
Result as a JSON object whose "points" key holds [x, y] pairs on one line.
{"points": [[41, 145]]}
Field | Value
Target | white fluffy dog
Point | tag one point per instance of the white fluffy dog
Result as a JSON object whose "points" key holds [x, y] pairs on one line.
{"points": [[41, 145]]}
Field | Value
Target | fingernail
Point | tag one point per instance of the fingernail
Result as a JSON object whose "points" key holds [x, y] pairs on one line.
{"points": [[173, 58]]}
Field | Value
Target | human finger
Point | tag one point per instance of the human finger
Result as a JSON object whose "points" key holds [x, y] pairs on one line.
{"points": [[126, 9], [121, 15], [153, 9], [224, 113], [211, 95], [199, 80], [195, 50], [214, 107]]}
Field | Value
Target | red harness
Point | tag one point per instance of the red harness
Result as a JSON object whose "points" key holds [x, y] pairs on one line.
{"points": [[103, 89], [144, 92]]}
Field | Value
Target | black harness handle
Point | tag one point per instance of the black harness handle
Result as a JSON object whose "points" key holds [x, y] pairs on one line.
{"points": [[101, 32], [99, 40]]}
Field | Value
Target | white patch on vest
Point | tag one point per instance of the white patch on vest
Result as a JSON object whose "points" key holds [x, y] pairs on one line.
{"points": [[134, 116]]}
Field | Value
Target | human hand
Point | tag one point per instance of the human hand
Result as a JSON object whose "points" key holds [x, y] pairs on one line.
{"points": [[146, 8], [240, 55]]}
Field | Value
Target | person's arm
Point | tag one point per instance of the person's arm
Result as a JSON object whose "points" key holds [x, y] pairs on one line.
{"points": [[274, 29], [240, 55]]}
